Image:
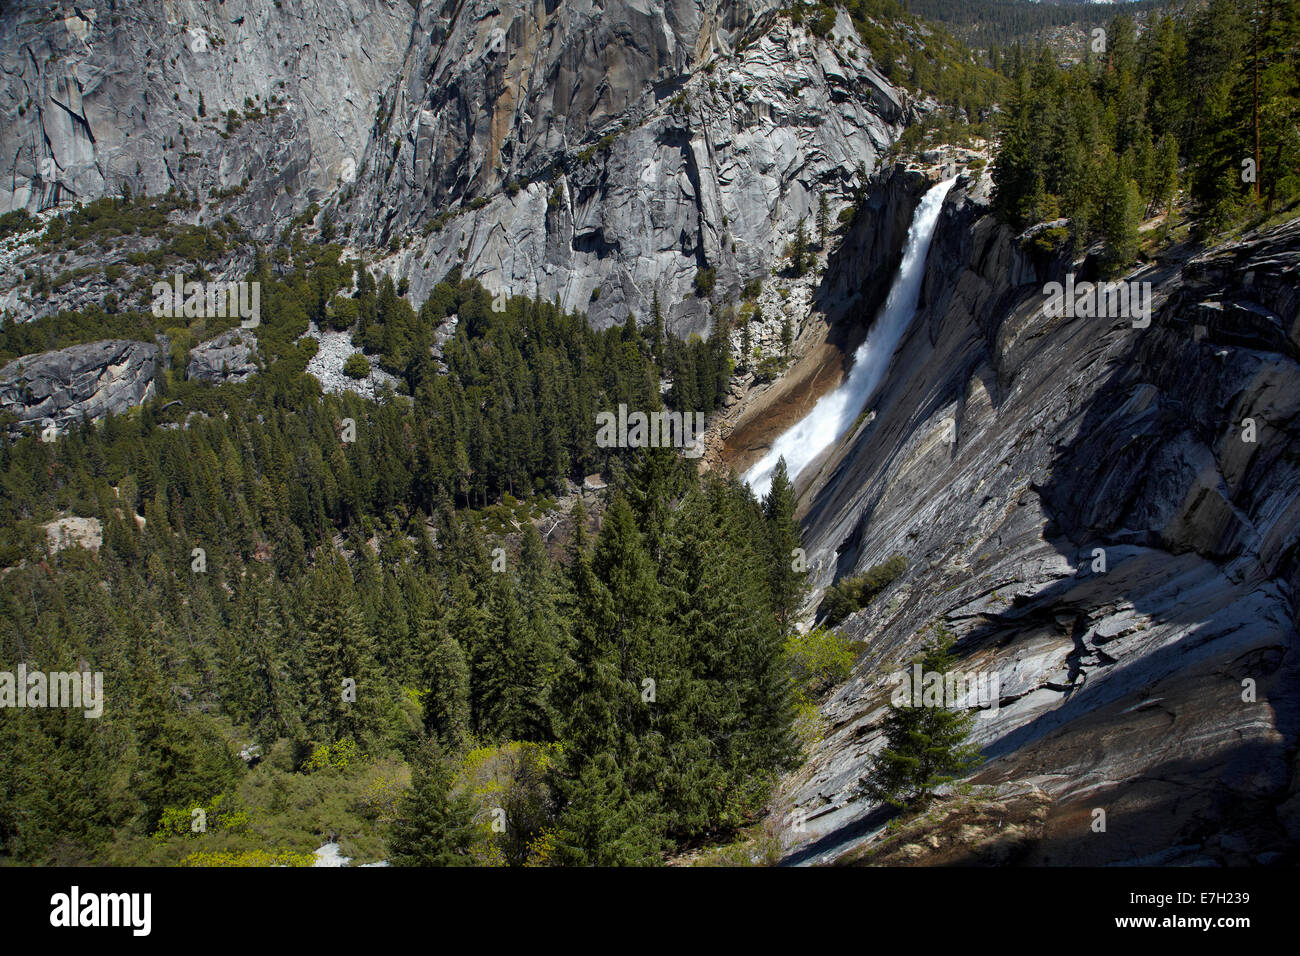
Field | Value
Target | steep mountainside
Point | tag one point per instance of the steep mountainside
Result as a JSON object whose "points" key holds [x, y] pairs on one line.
{"points": [[108, 95], [1108, 517], [599, 152]]}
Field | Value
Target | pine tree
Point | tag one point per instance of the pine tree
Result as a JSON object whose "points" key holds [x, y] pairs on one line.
{"points": [[606, 823], [685, 396], [799, 254], [1121, 215], [656, 481], [787, 573], [467, 620], [65, 788], [1165, 181], [179, 764], [1217, 140], [339, 660], [434, 825], [446, 706], [621, 657], [1276, 48], [727, 710], [509, 693], [924, 745], [258, 677], [540, 597], [619, 605], [587, 691]]}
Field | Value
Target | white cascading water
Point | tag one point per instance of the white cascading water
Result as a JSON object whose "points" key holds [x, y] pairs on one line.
{"points": [[833, 414]]}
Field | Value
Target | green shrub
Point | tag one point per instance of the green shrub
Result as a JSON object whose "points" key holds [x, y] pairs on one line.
{"points": [[222, 812], [340, 755], [1050, 240], [823, 23], [853, 594], [342, 313], [768, 369], [818, 660], [247, 858], [705, 279], [14, 222], [357, 366]]}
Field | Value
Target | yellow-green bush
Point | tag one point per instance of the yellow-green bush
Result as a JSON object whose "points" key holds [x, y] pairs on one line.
{"points": [[222, 812], [339, 755], [514, 777], [249, 858], [818, 660]]}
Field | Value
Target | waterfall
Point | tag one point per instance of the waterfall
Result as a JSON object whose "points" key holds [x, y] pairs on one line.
{"points": [[835, 413]]}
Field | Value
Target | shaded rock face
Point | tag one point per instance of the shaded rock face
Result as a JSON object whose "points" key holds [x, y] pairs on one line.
{"points": [[1098, 534], [860, 270], [102, 94], [230, 357], [91, 380]]}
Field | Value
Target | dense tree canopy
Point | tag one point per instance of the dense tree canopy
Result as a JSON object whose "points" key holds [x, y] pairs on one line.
{"points": [[1205, 100], [341, 592]]}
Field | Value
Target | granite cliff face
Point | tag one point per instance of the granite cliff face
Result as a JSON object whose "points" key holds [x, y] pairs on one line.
{"points": [[601, 152], [230, 357], [1081, 502], [102, 95], [606, 153]]}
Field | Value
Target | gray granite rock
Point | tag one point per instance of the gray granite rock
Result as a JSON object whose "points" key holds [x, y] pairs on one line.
{"points": [[617, 146], [91, 380], [333, 350], [230, 357], [1129, 688], [102, 95]]}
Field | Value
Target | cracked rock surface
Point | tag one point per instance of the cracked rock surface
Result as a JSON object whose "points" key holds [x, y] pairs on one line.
{"points": [[621, 147], [230, 357], [1100, 534], [98, 95], [564, 147], [91, 380]]}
